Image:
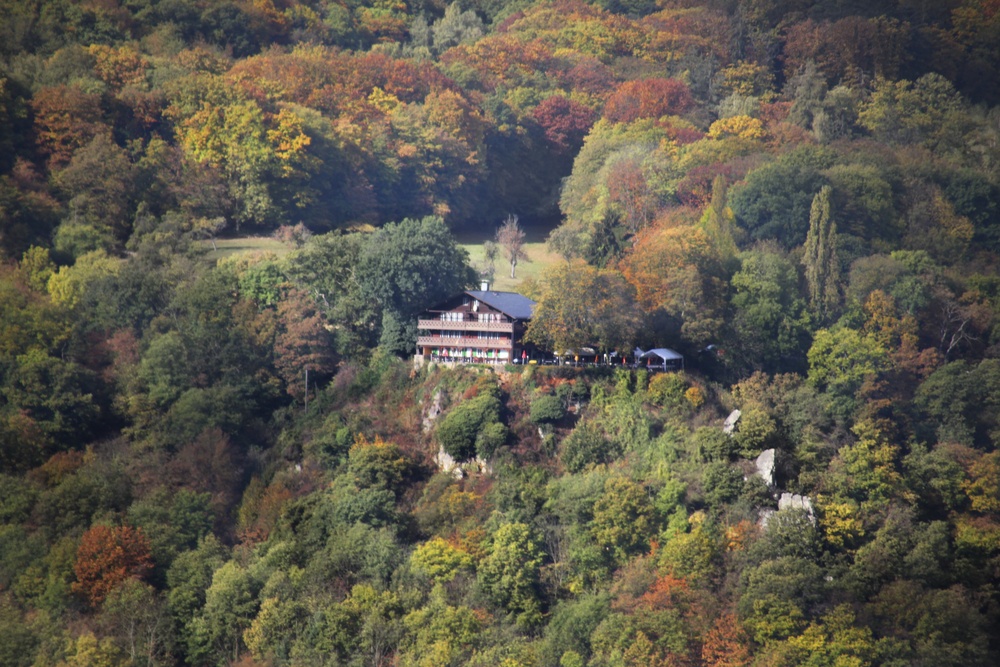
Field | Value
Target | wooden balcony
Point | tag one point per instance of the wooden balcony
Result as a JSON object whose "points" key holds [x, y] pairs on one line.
{"points": [[451, 325], [465, 341]]}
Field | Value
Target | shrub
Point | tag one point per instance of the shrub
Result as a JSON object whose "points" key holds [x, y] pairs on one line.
{"points": [[668, 390], [756, 432], [547, 409], [695, 397], [722, 483], [587, 446], [714, 445], [469, 427]]}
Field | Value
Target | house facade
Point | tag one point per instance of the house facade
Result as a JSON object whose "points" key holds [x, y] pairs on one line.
{"points": [[476, 326]]}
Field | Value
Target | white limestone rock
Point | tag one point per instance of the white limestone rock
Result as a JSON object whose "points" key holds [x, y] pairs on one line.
{"points": [[792, 501], [431, 415], [731, 420], [765, 466], [447, 464]]}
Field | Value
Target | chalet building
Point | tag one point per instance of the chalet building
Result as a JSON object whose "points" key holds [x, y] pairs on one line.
{"points": [[476, 326]]}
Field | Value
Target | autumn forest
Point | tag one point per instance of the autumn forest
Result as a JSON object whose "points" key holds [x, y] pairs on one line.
{"points": [[202, 199]]}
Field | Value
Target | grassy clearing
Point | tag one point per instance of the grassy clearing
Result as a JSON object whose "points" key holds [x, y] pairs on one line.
{"points": [[229, 247], [538, 253]]}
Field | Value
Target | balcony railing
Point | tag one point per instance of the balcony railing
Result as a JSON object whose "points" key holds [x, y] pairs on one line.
{"points": [[465, 341], [452, 325]]}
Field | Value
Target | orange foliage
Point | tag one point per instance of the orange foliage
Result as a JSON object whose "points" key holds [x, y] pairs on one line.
{"points": [[66, 118], [58, 468], [501, 59], [677, 269], [107, 557], [740, 535], [695, 190], [627, 187], [854, 49], [267, 510], [472, 542], [332, 81], [669, 592], [565, 122], [726, 644], [119, 67], [682, 33], [648, 98], [589, 75], [983, 485]]}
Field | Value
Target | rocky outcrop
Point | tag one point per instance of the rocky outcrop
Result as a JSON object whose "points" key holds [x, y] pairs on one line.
{"points": [[731, 420], [793, 501], [765, 466], [432, 412]]}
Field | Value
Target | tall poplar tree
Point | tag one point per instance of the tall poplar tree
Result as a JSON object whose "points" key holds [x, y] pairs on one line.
{"points": [[717, 221], [820, 257]]}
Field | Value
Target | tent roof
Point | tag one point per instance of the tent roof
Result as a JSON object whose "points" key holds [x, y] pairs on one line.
{"points": [[661, 352], [516, 305]]}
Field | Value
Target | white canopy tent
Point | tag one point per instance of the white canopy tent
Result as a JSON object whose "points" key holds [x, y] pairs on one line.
{"points": [[660, 356]]}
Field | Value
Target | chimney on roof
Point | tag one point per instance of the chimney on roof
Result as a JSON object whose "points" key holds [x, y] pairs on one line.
{"points": [[484, 286]]}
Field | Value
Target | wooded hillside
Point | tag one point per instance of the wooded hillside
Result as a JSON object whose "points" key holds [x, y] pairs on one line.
{"points": [[801, 197]]}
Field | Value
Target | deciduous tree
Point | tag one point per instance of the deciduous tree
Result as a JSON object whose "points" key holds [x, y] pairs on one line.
{"points": [[302, 342], [648, 98], [510, 572], [820, 257], [581, 305], [106, 558], [510, 238], [676, 270]]}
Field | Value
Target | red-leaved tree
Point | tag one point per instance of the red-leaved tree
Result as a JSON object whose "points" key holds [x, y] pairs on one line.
{"points": [[302, 342], [107, 557], [565, 122], [648, 98]]}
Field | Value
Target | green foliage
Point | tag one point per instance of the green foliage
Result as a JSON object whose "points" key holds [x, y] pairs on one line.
{"points": [[580, 306], [569, 631], [714, 445], [777, 595], [151, 372], [510, 572], [770, 323], [547, 409], [473, 427], [408, 266], [722, 483], [173, 525], [376, 464], [59, 396], [623, 518], [230, 606], [667, 390], [19, 642], [585, 446], [756, 432], [439, 560], [841, 359], [774, 203], [820, 259]]}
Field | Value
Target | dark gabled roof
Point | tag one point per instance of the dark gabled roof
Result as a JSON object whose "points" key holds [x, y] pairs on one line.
{"points": [[513, 304]]}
